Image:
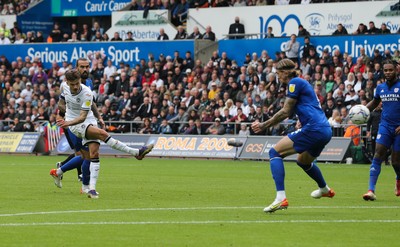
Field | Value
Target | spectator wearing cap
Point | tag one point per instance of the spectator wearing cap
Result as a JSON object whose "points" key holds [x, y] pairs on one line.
{"points": [[162, 35], [216, 129], [27, 93], [377, 57], [247, 60]]}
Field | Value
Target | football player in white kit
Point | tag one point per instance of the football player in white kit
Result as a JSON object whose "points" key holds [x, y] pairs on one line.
{"points": [[80, 119]]}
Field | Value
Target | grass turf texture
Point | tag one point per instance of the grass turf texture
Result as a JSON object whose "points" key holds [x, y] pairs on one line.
{"points": [[167, 202]]}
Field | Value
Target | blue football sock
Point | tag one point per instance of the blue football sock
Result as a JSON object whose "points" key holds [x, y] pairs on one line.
{"points": [[314, 172], [374, 172], [72, 164], [86, 172], [277, 169], [278, 173]]}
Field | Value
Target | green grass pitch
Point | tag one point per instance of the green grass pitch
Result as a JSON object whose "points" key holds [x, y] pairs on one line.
{"points": [[180, 202]]}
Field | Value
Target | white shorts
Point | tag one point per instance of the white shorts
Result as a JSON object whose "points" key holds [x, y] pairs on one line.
{"points": [[80, 130]]}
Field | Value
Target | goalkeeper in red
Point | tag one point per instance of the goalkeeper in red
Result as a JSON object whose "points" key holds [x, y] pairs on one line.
{"points": [[389, 128], [308, 142]]}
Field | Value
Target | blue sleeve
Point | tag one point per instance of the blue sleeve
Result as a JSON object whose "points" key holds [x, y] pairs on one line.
{"points": [[294, 88]]}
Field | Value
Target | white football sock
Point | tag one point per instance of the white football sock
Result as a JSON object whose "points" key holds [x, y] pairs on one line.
{"points": [[59, 172], [115, 144], [324, 190], [94, 174], [280, 195]]}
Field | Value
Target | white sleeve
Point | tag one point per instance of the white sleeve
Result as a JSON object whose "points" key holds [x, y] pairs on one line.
{"points": [[87, 101]]}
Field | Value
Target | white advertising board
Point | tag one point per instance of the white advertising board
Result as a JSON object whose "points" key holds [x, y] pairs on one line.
{"points": [[318, 19], [9, 20], [143, 29]]}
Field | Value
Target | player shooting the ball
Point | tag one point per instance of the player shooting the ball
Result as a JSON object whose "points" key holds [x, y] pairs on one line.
{"points": [[79, 118]]}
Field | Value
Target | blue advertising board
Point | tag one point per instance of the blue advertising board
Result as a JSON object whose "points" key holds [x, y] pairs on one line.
{"points": [[86, 8], [348, 43], [127, 52], [36, 19]]}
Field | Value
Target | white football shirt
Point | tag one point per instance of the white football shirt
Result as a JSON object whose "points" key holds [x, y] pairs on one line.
{"points": [[75, 103]]}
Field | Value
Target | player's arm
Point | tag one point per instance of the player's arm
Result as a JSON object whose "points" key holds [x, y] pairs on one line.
{"points": [[373, 104], [75, 121], [281, 115], [61, 107], [96, 114]]}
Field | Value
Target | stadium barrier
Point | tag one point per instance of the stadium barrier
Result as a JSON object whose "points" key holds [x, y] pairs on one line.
{"points": [[19, 142], [212, 146], [50, 139], [51, 135]]}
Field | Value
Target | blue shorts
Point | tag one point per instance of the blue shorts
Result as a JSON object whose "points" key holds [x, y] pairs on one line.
{"points": [[74, 142], [312, 141], [387, 137]]}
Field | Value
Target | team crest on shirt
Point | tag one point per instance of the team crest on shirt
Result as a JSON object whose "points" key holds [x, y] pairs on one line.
{"points": [[396, 90], [87, 103], [378, 136], [292, 87], [78, 100]]}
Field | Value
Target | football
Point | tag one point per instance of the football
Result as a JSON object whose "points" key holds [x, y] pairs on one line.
{"points": [[359, 114]]}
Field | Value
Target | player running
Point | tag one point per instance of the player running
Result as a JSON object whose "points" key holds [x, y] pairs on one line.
{"points": [[308, 142], [79, 118], [389, 128]]}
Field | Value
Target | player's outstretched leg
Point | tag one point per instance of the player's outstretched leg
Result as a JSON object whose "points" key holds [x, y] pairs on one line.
{"points": [[143, 151], [118, 145]]}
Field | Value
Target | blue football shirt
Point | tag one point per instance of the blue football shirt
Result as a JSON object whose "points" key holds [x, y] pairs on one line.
{"points": [[308, 107], [390, 98]]}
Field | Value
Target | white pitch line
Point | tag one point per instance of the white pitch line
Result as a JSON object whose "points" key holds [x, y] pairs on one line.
{"points": [[211, 222], [189, 209]]}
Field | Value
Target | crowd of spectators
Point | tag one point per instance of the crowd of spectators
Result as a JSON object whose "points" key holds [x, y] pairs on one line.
{"points": [[176, 94], [15, 7]]}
